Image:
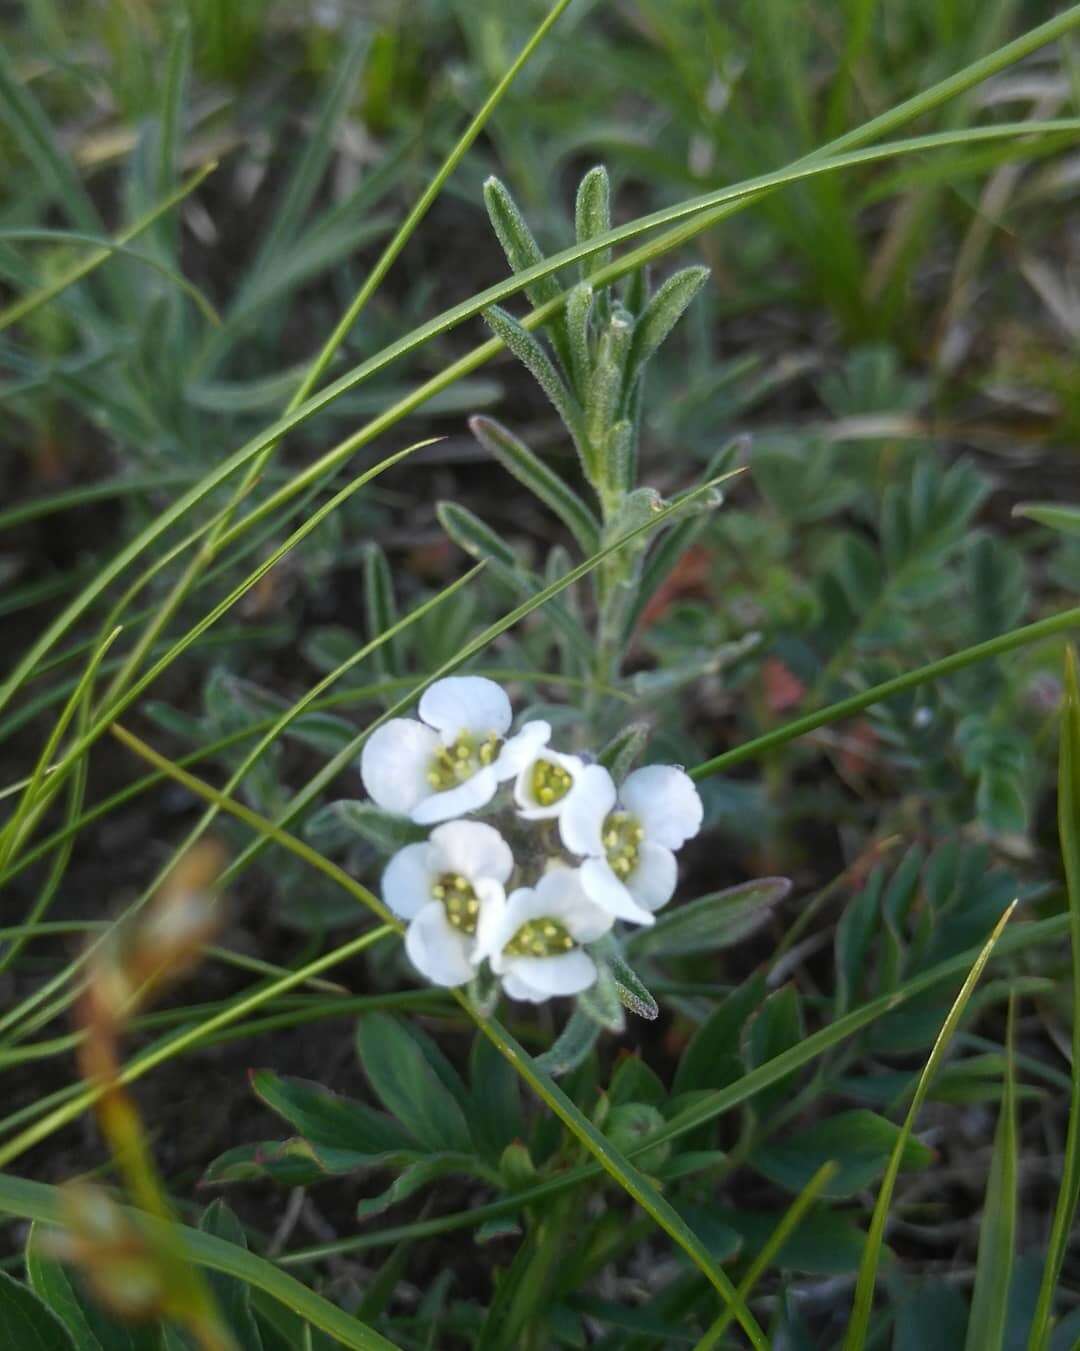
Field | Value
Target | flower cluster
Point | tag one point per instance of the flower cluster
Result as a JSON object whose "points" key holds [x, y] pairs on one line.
{"points": [[583, 851]]}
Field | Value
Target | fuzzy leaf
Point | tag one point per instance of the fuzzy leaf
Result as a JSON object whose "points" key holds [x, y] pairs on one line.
{"points": [[713, 922], [529, 351], [660, 316], [542, 482], [572, 1046], [339, 823], [592, 216]]}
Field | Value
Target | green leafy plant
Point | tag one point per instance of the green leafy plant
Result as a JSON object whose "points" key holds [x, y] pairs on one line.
{"points": [[652, 929]]}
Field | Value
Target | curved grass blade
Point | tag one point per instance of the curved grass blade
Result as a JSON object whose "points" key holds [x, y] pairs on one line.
{"points": [[19, 309], [10, 833], [791, 1220], [700, 207], [114, 706], [423, 204], [632, 1181], [38, 1202], [272, 730], [716, 1104], [876, 694], [104, 248], [997, 1232], [855, 1337], [1069, 833]]}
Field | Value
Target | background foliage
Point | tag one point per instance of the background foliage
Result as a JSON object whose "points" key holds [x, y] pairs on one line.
{"points": [[196, 196]]}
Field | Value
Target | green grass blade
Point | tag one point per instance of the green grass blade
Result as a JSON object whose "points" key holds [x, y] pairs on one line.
{"points": [[103, 248], [791, 1220], [41, 1203], [699, 207], [10, 834], [876, 694], [1052, 515], [855, 1337], [632, 1181], [31, 127], [116, 705], [1069, 833], [423, 204], [997, 1231], [716, 1104], [19, 309]]}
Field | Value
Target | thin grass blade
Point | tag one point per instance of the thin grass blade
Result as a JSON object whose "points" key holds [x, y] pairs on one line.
{"points": [[1069, 834], [855, 1338]]}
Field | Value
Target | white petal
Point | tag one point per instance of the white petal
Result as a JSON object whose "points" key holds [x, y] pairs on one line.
{"points": [[561, 895], [522, 748], [581, 821], [408, 879], [473, 849], [525, 798], [503, 924], [665, 802], [438, 950], [569, 973], [466, 704], [469, 796], [517, 988], [490, 922], [605, 890], [395, 762], [652, 883]]}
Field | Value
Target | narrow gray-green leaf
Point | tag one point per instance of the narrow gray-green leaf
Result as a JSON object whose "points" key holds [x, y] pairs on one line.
{"points": [[516, 457]]}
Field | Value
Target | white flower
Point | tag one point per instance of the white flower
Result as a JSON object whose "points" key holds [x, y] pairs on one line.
{"points": [[629, 843], [450, 889], [533, 941], [454, 760], [546, 783]]}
